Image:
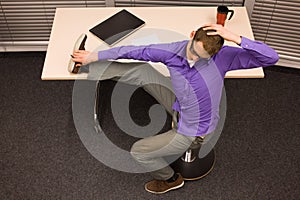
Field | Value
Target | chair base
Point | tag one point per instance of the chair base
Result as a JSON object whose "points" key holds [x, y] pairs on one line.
{"points": [[196, 169]]}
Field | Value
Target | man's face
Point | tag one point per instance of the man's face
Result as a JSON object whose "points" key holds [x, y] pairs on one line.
{"points": [[196, 51]]}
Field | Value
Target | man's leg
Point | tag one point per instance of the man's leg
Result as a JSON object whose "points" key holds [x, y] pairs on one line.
{"points": [[139, 74], [149, 152]]}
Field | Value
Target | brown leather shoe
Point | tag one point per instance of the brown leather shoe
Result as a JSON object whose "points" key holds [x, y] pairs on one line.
{"points": [[160, 186], [79, 45]]}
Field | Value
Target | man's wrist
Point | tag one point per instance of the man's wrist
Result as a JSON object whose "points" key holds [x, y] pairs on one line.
{"points": [[238, 40], [94, 57]]}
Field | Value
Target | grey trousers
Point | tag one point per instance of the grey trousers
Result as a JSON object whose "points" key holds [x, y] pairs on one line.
{"points": [[149, 152]]}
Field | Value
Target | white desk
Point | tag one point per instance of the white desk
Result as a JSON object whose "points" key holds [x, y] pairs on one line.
{"points": [[70, 23]]}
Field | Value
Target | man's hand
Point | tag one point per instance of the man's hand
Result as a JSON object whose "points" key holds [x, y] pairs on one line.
{"points": [[223, 32], [84, 57]]}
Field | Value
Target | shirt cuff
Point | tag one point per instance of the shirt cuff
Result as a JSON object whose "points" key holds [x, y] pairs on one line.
{"points": [[246, 43]]}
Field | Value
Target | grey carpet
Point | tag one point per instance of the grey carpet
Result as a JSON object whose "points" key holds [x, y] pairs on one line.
{"points": [[42, 157]]}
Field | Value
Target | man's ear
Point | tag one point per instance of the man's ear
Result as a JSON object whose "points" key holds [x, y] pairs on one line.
{"points": [[192, 34]]}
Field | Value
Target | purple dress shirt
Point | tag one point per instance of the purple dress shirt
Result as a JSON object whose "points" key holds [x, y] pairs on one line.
{"points": [[198, 89]]}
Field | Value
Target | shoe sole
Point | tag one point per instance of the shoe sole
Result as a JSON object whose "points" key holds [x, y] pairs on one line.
{"points": [[79, 45], [162, 192]]}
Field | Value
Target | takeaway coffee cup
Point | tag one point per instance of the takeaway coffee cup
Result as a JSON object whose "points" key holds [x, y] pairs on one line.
{"points": [[222, 13]]}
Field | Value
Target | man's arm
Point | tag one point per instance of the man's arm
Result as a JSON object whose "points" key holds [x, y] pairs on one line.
{"points": [[252, 54], [154, 53]]}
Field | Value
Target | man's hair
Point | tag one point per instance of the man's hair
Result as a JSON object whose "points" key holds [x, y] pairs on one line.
{"points": [[211, 43]]}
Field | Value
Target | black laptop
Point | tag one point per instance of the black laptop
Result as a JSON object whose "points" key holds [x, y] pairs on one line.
{"points": [[116, 27]]}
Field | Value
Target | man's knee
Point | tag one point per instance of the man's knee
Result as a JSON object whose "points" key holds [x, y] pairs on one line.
{"points": [[139, 150], [135, 153]]}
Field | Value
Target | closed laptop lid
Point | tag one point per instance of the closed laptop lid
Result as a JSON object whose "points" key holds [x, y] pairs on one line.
{"points": [[117, 27]]}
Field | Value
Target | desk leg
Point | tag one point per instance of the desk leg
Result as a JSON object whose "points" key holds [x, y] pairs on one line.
{"points": [[96, 106]]}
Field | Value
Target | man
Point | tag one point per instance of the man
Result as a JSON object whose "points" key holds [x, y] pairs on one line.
{"points": [[197, 68]]}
